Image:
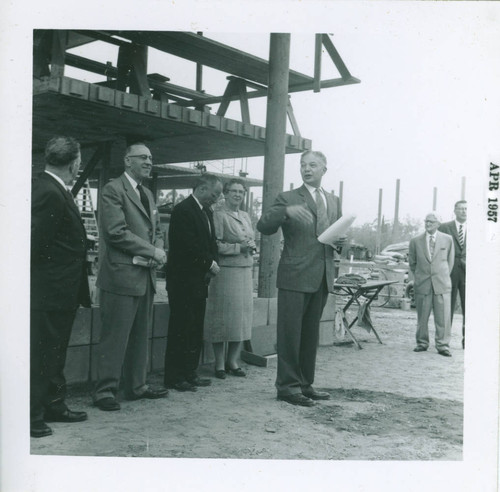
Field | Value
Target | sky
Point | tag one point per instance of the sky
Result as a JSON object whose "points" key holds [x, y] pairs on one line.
{"points": [[424, 112]]}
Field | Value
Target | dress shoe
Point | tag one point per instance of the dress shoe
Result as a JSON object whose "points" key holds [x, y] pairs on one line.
{"points": [[197, 381], [150, 394], [220, 374], [66, 416], [446, 353], [238, 372], [297, 399], [181, 386], [108, 404], [419, 349], [40, 429], [316, 395]]}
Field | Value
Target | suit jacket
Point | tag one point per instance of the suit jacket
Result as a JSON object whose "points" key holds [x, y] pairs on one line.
{"points": [[230, 232], [460, 251], [304, 259], [58, 249], [127, 231], [435, 273], [191, 250]]}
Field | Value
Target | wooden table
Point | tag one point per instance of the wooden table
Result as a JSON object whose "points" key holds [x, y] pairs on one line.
{"points": [[369, 290]]}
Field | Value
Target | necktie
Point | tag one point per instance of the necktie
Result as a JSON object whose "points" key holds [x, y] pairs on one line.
{"points": [[461, 235], [144, 198], [207, 213], [432, 244], [322, 219]]}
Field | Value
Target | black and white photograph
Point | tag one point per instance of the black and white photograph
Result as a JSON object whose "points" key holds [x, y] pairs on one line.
{"points": [[250, 245]]}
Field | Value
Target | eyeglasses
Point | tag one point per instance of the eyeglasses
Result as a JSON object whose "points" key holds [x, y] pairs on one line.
{"points": [[236, 191], [144, 157]]}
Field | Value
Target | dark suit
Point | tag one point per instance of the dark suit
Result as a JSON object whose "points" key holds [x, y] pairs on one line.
{"points": [[305, 275], [59, 285], [127, 290], [458, 272], [432, 287], [192, 249]]}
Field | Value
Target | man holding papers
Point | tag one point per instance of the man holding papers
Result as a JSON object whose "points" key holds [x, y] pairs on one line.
{"points": [[130, 227], [305, 276]]}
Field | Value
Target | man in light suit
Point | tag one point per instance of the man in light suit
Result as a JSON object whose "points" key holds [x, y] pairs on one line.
{"points": [[192, 261], [59, 283], [431, 257], [305, 276], [457, 229], [130, 228]]}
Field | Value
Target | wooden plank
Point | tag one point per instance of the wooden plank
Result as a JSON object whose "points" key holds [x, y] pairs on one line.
{"points": [[317, 63], [334, 55], [57, 53], [208, 52], [254, 359]]}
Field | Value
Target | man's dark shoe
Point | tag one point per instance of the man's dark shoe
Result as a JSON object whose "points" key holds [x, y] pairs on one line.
{"points": [[108, 404], [40, 429], [151, 394], [316, 395], [446, 353], [181, 386], [199, 381], [419, 349], [66, 416], [297, 399]]}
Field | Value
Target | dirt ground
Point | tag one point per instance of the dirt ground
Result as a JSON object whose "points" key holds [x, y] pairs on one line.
{"points": [[388, 403]]}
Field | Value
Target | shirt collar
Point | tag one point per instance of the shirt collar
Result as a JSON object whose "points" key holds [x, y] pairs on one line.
{"points": [[430, 235], [197, 201], [458, 224], [312, 189], [133, 182], [58, 179]]}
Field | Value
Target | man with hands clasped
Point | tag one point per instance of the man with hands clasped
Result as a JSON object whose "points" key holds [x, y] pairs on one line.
{"points": [[305, 276], [133, 248]]}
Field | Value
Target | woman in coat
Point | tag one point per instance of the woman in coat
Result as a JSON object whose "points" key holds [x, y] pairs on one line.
{"points": [[230, 296]]}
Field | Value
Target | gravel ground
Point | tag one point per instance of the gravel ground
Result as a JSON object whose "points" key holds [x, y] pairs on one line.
{"points": [[388, 403]]}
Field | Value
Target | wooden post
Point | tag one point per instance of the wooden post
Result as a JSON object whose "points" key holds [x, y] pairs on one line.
{"points": [[341, 192], [379, 222], [462, 192], [59, 39], [395, 225], [434, 199], [274, 160]]}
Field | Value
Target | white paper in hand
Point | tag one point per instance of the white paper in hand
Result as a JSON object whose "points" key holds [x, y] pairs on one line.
{"points": [[337, 229]]}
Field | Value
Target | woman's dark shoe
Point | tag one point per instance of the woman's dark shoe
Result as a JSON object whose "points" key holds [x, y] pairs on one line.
{"points": [[220, 374], [238, 372]]}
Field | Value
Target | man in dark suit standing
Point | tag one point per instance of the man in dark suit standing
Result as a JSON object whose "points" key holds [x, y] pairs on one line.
{"points": [[133, 248], [457, 229], [59, 283], [192, 261], [431, 256], [305, 276]]}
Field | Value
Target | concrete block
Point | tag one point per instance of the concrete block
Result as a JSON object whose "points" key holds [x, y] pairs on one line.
{"points": [[273, 310], [264, 339], [102, 95], [75, 88], [77, 368], [158, 346], [161, 314], [127, 101], [260, 133], [149, 106], [192, 116], [326, 333], [247, 130], [213, 121], [260, 311], [293, 141], [80, 333], [229, 126], [329, 311], [171, 111]]}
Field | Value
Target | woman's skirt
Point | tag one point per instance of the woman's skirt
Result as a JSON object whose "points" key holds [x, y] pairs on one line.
{"points": [[228, 316]]}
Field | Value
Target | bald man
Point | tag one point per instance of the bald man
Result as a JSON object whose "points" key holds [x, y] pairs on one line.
{"points": [[431, 257]]}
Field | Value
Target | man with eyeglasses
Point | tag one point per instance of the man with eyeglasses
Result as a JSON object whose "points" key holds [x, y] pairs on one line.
{"points": [[132, 250], [431, 257]]}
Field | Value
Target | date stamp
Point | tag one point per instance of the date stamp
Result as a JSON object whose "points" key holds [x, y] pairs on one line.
{"points": [[493, 185]]}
